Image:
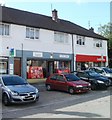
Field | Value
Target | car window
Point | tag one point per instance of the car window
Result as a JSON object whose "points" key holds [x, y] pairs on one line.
{"points": [[72, 77], [60, 78], [82, 74], [92, 69], [107, 70], [13, 80], [54, 77], [99, 71], [93, 73]]}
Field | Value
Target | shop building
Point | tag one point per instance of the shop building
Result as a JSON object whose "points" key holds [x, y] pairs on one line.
{"points": [[35, 45]]}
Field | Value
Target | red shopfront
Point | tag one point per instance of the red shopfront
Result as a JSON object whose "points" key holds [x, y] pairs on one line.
{"points": [[90, 60]]}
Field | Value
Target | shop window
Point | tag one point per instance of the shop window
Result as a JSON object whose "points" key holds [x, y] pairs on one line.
{"points": [[32, 33], [80, 40], [3, 67], [4, 29]]}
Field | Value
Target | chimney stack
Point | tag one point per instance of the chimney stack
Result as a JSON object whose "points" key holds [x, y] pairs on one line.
{"points": [[55, 15], [91, 29]]}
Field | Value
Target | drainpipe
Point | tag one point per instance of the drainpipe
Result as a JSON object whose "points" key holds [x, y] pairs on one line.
{"points": [[22, 59], [72, 52]]}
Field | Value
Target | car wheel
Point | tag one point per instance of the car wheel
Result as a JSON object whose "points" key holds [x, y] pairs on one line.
{"points": [[71, 90], [93, 87], [48, 87], [6, 101]]}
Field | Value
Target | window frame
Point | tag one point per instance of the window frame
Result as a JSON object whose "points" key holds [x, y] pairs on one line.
{"points": [[98, 43], [80, 40], [32, 33], [61, 37], [4, 29]]}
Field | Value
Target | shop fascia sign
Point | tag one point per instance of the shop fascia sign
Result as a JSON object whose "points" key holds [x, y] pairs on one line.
{"points": [[37, 54], [100, 59], [64, 56]]}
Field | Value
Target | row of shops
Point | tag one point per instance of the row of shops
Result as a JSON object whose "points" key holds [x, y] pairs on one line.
{"points": [[40, 64]]}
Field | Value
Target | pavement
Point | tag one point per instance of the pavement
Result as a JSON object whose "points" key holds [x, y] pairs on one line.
{"points": [[38, 83], [98, 108]]}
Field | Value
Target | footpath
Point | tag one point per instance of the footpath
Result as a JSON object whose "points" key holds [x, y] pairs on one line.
{"points": [[38, 83]]}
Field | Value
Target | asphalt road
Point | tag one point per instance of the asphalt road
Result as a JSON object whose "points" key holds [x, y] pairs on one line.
{"points": [[51, 101]]}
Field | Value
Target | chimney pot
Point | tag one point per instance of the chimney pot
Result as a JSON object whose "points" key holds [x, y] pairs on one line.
{"points": [[91, 29]]}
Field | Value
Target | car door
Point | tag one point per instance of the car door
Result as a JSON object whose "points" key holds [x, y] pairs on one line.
{"points": [[61, 83], [53, 81]]}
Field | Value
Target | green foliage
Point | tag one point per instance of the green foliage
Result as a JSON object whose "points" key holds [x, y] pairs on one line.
{"points": [[106, 31]]}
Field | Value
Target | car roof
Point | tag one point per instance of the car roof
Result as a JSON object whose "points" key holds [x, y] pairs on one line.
{"points": [[99, 68], [7, 75]]}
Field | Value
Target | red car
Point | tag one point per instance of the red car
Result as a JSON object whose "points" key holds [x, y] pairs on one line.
{"points": [[67, 82]]}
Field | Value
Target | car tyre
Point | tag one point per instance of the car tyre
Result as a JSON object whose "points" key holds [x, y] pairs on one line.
{"points": [[93, 87], [6, 100], [48, 87], [71, 90]]}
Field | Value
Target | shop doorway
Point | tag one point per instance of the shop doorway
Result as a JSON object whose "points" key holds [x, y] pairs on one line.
{"points": [[50, 67], [17, 66]]}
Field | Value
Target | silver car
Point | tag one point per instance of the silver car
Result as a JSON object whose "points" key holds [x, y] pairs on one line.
{"points": [[15, 89]]}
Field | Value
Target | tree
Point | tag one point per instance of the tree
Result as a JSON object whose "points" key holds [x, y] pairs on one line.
{"points": [[106, 31]]}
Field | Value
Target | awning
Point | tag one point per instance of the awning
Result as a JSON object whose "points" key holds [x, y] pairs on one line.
{"points": [[90, 58]]}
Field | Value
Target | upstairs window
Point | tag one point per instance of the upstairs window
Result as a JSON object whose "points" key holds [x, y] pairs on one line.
{"points": [[61, 37], [80, 40], [98, 43], [4, 29], [32, 33]]}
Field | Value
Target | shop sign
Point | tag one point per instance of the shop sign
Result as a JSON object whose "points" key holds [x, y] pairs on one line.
{"points": [[64, 56], [100, 59], [12, 52], [37, 54]]}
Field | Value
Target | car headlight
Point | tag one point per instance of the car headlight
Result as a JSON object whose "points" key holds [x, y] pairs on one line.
{"points": [[89, 84], [79, 86], [100, 81], [14, 93], [36, 90]]}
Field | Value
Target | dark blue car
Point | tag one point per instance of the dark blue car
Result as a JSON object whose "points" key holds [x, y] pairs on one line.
{"points": [[97, 81]]}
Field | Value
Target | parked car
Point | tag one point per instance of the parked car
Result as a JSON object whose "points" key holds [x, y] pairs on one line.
{"points": [[67, 82], [97, 81], [15, 89], [104, 71]]}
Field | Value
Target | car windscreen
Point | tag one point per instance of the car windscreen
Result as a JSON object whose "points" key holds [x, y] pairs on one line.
{"points": [[107, 70], [13, 80], [93, 74], [72, 77]]}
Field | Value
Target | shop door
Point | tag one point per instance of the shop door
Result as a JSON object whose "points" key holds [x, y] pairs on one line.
{"points": [[50, 67], [17, 66]]}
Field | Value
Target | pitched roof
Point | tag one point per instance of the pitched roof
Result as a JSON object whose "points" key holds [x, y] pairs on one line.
{"points": [[20, 17]]}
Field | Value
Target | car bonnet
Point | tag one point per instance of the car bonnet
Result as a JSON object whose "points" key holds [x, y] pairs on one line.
{"points": [[22, 88]]}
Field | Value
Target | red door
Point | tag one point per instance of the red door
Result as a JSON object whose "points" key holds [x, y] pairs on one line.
{"points": [[17, 66]]}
